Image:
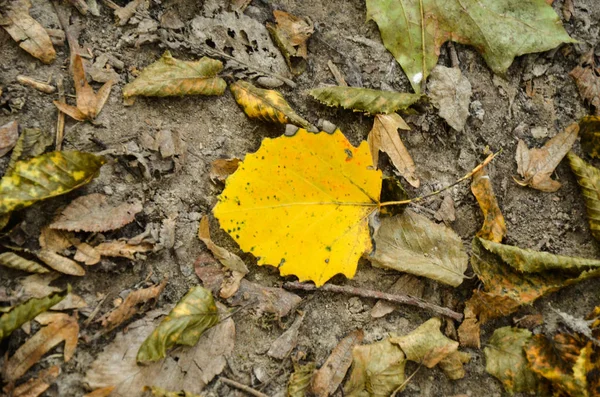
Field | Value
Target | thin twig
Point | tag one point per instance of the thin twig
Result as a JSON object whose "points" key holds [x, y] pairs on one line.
{"points": [[453, 55], [242, 387], [339, 77], [367, 293], [60, 123]]}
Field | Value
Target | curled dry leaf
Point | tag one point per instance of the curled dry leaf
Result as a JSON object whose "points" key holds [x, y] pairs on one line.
{"points": [[588, 178], [537, 165], [328, 378], [14, 261], [450, 92], [123, 249], [54, 240], [36, 386], [89, 103], [266, 105], [9, 134], [101, 392], [364, 99], [407, 284], [494, 227], [413, 244], [172, 77], [384, 137], [290, 34], [589, 130], [26, 31], [220, 169], [31, 143], [86, 253], [227, 259], [299, 383], [283, 346], [46, 176], [587, 78], [59, 327], [93, 213], [60, 263]]}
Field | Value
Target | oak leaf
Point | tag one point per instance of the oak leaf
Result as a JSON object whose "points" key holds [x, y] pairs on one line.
{"points": [[89, 103], [37, 386], [494, 226], [589, 129], [414, 30], [384, 137], [290, 33], [266, 105], [31, 143], [45, 176], [9, 134], [537, 165], [320, 188], [587, 78], [364, 99], [14, 261], [588, 178], [172, 77], [299, 382]]}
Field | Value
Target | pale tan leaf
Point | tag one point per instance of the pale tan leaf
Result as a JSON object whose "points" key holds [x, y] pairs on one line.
{"points": [[124, 249], [446, 212], [38, 286], [14, 261], [9, 133], [36, 386], [287, 341], [60, 263], [86, 253], [101, 392], [450, 92], [54, 240], [227, 259]]}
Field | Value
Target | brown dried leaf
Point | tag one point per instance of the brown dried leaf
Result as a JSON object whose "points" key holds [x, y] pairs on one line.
{"points": [[59, 327], [54, 240], [123, 249], [328, 378], [86, 253], [9, 133], [93, 213], [537, 165], [446, 212], [220, 169], [469, 330], [101, 392], [38, 286], [494, 227], [587, 78], [227, 259], [36, 386], [287, 341], [452, 364], [407, 284], [290, 34], [384, 136], [60, 263]]}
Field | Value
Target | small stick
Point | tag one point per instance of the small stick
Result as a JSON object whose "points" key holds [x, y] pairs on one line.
{"points": [[339, 78], [367, 293], [453, 55], [242, 387], [38, 85], [60, 123], [112, 5]]}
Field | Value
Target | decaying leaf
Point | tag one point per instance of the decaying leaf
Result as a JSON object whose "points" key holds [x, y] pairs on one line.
{"points": [[446, 212], [290, 34], [414, 31], [194, 313], [229, 260], [364, 99], [494, 227], [26, 31], [266, 105], [36, 386], [123, 249], [327, 379], [89, 103], [160, 392], [384, 137], [413, 244], [187, 368], [220, 169], [101, 392], [38, 286], [587, 78], [171, 77], [450, 92], [469, 330], [133, 303], [14, 261], [93, 213], [59, 327], [299, 383], [60, 263], [324, 216], [26, 311], [537, 165], [283, 346], [54, 240], [46, 176], [452, 364], [9, 134], [86, 253], [407, 284], [31, 143], [589, 130], [505, 360], [588, 178]]}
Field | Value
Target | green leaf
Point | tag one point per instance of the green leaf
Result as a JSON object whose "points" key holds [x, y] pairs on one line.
{"points": [[171, 77], [27, 311], [14, 261], [45, 176], [414, 30], [195, 313], [300, 380], [364, 99], [588, 178], [413, 244], [32, 142], [505, 360]]}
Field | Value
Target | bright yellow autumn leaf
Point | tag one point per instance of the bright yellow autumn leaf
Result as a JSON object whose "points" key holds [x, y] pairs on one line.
{"points": [[302, 203]]}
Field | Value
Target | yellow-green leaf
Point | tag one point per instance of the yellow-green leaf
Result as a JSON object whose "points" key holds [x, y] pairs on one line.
{"points": [[266, 105], [588, 178], [300, 380], [589, 129], [12, 260], [364, 99], [302, 203], [46, 176], [27, 311], [171, 77], [32, 142], [194, 313]]}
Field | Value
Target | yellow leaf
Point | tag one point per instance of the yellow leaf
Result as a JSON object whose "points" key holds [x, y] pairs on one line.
{"points": [[302, 203], [266, 105], [494, 227]]}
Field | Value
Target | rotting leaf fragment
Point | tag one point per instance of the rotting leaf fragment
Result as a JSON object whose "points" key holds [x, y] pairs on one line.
{"points": [[494, 227], [290, 34]]}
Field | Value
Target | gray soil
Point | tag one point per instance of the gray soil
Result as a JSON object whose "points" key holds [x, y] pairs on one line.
{"points": [[215, 127]]}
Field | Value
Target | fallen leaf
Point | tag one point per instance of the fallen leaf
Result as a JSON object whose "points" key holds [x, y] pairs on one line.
{"points": [[123, 249], [93, 213], [14, 261], [26, 31], [587, 79], [194, 313], [31, 143], [286, 342], [329, 377], [229, 260], [133, 303], [86, 253], [414, 31], [60, 263], [589, 130], [407, 284], [59, 327], [9, 134], [446, 212], [469, 331], [384, 137], [38, 286], [377, 370], [123, 14], [537, 165], [46, 176], [102, 392], [588, 178], [450, 92], [324, 215], [89, 104], [171, 20], [505, 360], [266, 105], [426, 345], [54, 240], [171, 77], [494, 227], [364, 99], [413, 244], [160, 392], [290, 34], [299, 383], [220, 169], [452, 364], [26, 311], [37, 386], [187, 368]]}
